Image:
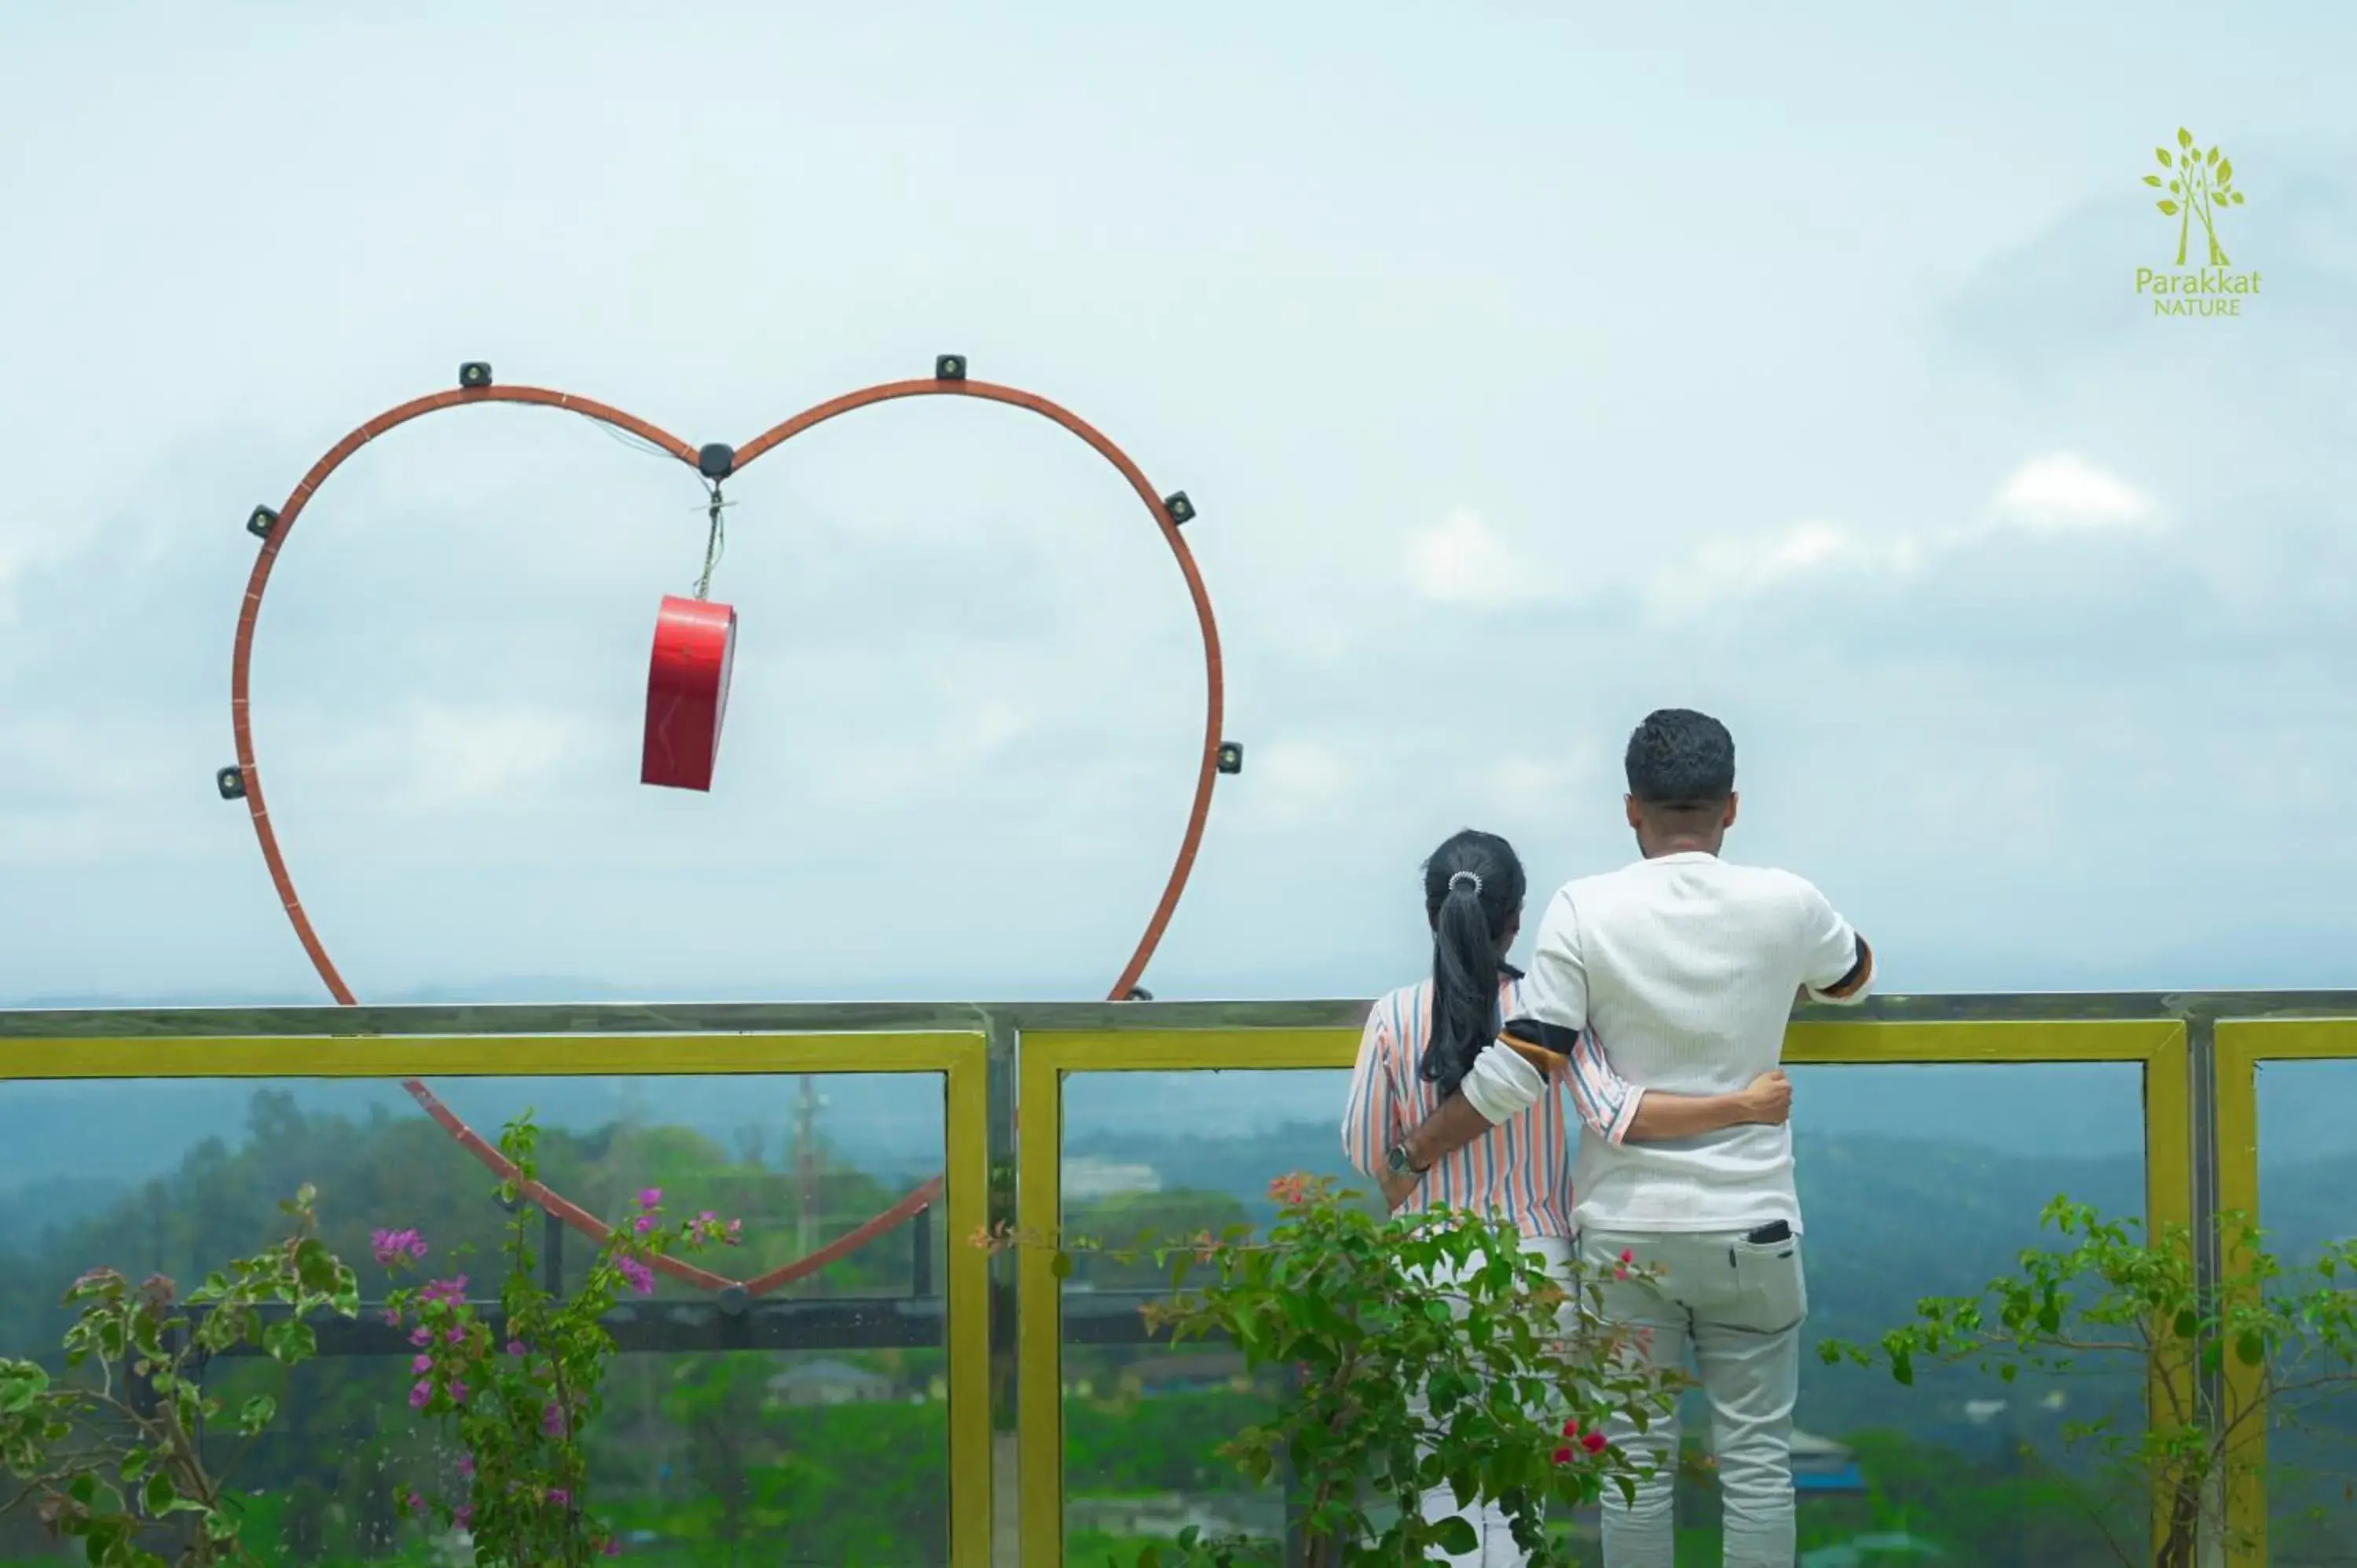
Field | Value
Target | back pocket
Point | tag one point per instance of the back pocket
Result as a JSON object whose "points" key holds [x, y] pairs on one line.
{"points": [[1771, 1291]]}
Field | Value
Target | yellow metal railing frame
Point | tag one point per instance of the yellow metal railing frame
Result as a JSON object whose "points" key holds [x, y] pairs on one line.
{"points": [[2241, 1045], [960, 1056], [1048, 1057]]}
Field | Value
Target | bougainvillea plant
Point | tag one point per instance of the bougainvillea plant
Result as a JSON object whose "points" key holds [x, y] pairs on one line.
{"points": [[519, 1384], [114, 1457]]}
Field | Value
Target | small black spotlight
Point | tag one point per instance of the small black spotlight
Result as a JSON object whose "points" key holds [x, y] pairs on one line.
{"points": [[260, 521], [734, 1300], [1231, 756], [475, 373], [1180, 509], [949, 367], [231, 782], [716, 461], [1138, 994]]}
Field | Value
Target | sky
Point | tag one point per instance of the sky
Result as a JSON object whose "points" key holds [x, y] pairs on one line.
{"points": [[1531, 368]]}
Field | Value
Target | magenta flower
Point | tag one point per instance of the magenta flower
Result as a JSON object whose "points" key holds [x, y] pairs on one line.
{"points": [[394, 1247], [452, 1290], [419, 1393], [552, 1423], [393, 1315], [613, 1547], [735, 1232], [463, 1516], [456, 1334], [641, 1277], [422, 1364], [650, 1199], [515, 1346], [559, 1495], [467, 1465], [646, 1222], [420, 1336], [457, 1392]]}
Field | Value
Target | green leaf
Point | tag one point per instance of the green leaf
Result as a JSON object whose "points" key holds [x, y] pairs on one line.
{"points": [[2184, 137], [2167, 207], [2187, 1323], [2213, 154], [255, 1415], [2165, 161], [1455, 1537], [2238, 199], [1061, 1265], [2250, 1347], [159, 1494], [2152, 179]]}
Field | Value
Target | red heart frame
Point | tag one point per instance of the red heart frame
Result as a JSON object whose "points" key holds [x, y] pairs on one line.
{"points": [[275, 540]]}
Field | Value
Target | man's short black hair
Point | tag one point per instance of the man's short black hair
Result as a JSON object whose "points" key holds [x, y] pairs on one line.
{"points": [[1680, 757]]}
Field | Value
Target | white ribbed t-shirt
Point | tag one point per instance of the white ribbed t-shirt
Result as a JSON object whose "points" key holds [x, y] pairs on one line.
{"points": [[1686, 968]]}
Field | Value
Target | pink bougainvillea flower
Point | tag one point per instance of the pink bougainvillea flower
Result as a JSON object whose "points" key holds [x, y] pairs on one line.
{"points": [[650, 1199], [467, 1465], [552, 1423], [422, 1364], [419, 1393], [515, 1346], [420, 1336], [646, 1222], [1291, 1189], [641, 1277], [613, 1547], [559, 1495], [393, 1246], [736, 1234], [463, 1516]]}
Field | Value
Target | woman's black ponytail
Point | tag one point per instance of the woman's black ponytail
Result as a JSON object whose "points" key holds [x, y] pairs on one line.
{"points": [[1473, 888]]}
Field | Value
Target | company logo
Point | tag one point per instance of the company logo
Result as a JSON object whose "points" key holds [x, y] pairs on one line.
{"points": [[2197, 188]]}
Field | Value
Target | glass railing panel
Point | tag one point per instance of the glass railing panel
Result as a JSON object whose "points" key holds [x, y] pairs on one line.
{"points": [[810, 1428], [1914, 1181], [2308, 1198], [1929, 1180]]}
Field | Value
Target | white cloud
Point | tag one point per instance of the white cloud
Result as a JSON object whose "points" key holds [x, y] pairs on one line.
{"points": [[2065, 491], [1734, 566], [1465, 562], [2058, 493]]}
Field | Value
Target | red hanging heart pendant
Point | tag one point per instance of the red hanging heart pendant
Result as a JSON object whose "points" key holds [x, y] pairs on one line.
{"points": [[687, 693]]}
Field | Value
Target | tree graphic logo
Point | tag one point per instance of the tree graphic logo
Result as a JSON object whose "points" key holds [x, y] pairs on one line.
{"points": [[2197, 185]]}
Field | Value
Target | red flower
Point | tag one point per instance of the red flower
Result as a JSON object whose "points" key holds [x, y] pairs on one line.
{"points": [[1563, 1455], [1594, 1443]]}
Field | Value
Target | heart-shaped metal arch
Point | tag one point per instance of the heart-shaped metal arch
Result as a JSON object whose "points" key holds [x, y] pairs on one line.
{"points": [[249, 614]]}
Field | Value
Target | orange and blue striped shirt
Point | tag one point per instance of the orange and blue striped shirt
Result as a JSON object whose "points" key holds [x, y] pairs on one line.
{"points": [[1519, 1171]]}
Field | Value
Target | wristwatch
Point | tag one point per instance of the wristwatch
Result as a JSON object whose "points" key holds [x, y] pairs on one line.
{"points": [[1397, 1161]]}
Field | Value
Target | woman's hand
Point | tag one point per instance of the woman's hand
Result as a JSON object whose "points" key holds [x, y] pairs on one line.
{"points": [[1768, 1099]]}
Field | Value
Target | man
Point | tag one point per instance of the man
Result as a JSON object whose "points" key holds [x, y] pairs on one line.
{"points": [[1685, 968]]}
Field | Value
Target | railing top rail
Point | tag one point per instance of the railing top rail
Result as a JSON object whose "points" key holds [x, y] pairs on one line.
{"points": [[793, 1017]]}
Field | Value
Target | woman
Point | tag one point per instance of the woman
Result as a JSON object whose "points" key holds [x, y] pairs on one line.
{"points": [[1420, 1042]]}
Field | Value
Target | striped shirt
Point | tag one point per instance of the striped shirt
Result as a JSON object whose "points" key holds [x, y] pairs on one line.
{"points": [[1519, 1170]]}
